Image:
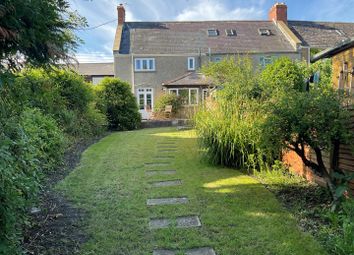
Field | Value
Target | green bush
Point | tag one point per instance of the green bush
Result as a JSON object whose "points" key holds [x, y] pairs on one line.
{"points": [[283, 74], [116, 100], [40, 113], [63, 94], [30, 145], [168, 99]]}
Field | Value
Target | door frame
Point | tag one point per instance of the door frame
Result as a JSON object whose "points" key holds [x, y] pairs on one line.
{"points": [[145, 113]]}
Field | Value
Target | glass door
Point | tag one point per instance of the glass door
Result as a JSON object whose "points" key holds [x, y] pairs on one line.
{"points": [[145, 102]]}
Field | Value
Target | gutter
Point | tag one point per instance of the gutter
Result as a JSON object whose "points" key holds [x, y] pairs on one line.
{"points": [[327, 53]]}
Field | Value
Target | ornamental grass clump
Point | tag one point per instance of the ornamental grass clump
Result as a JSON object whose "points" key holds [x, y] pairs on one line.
{"points": [[228, 126]]}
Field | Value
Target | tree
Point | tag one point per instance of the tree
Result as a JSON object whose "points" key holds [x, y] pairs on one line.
{"points": [[282, 75], [316, 119], [36, 32], [117, 101]]}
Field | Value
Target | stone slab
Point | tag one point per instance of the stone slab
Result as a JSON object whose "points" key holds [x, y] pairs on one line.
{"points": [[160, 172], [163, 252], [157, 163], [166, 183], [201, 251], [188, 222], [166, 150], [164, 157], [159, 223], [167, 201]]}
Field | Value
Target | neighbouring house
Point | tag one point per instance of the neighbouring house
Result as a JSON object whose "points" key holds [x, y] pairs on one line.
{"points": [[342, 56], [149, 55], [94, 72]]}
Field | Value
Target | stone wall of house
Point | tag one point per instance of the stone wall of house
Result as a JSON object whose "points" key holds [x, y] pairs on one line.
{"points": [[169, 67], [343, 78]]}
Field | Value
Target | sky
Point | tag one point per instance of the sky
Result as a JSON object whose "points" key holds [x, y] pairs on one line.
{"points": [[98, 38]]}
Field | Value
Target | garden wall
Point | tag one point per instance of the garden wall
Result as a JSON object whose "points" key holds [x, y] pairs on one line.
{"points": [[345, 161]]}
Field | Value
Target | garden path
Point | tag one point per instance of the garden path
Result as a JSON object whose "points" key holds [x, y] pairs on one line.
{"points": [[150, 192]]}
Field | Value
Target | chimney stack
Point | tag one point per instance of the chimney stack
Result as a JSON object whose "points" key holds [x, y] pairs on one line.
{"points": [[279, 12], [121, 14]]}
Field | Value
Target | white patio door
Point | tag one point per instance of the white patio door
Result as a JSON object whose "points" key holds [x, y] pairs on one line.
{"points": [[145, 102]]}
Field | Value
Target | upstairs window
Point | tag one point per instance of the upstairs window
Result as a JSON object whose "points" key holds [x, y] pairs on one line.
{"points": [[191, 63], [266, 60], [230, 32], [144, 64], [213, 32], [216, 59], [264, 32]]}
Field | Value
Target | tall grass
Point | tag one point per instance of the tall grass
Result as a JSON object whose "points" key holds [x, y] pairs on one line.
{"points": [[229, 126]]}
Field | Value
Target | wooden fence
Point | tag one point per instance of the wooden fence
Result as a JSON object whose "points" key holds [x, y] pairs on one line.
{"points": [[345, 160]]}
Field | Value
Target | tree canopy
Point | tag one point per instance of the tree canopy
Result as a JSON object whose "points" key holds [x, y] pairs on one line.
{"points": [[37, 32]]}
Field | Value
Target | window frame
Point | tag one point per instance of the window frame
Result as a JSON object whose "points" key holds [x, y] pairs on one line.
{"points": [[212, 32], [266, 60], [188, 62], [150, 64], [230, 32], [189, 94]]}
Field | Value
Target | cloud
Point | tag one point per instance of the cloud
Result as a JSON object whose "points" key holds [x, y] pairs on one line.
{"points": [[93, 57], [214, 10]]}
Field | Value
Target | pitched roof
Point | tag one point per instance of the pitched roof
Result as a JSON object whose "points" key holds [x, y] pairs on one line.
{"points": [[192, 37], [189, 79], [333, 51], [321, 34], [95, 69]]}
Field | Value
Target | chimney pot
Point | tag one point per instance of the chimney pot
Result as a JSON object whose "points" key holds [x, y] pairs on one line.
{"points": [[121, 14], [279, 12]]}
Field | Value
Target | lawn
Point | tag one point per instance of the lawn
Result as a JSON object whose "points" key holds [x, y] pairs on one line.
{"points": [[238, 215]]}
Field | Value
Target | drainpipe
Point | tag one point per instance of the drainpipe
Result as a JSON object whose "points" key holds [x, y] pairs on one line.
{"points": [[132, 73]]}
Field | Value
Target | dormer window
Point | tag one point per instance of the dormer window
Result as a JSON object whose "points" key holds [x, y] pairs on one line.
{"points": [[230, 32], [213, 32], [191, 63], [264, 32]]}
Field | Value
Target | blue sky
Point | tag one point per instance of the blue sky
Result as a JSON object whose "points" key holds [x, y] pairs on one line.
{"points": [[98, 42]]}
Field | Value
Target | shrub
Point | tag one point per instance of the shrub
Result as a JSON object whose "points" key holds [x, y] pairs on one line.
{"points": [[63, 94], [116, 100], [168, 99], [282, 75], [30, 145]]}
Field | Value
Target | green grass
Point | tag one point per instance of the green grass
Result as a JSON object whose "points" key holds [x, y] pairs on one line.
{"points": [[239, 216]]}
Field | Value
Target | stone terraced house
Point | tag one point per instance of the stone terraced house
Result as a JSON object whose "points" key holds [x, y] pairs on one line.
{"points": [[164, 57]]}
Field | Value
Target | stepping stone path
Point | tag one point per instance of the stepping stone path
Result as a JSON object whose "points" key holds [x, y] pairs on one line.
{"points": [[160, 172], [181, 222], [157, 164], [164, 157], [166, 183], [167, 201], [187, 221]]}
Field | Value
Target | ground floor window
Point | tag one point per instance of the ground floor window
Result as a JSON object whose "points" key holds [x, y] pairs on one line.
{"points": [[189, 96], [205, 94]]}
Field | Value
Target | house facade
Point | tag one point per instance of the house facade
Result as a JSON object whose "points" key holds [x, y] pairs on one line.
{"points": [[149, 55]]}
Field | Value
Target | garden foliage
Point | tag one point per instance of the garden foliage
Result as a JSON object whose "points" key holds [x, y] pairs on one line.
{"points": [[229, 126], [39, 32], [41, 114], [256, 116], [117, 101], [168, 99]]}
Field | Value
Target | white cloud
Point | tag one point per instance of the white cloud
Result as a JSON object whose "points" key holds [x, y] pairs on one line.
{"points": [[94, 57], [214, 10]]}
